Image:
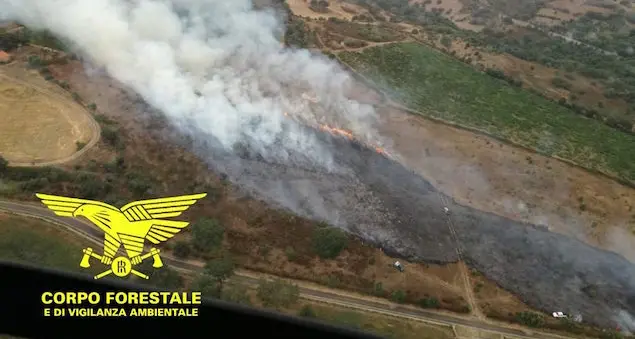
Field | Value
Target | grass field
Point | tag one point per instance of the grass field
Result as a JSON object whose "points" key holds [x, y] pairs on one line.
{"points": [[437, 85], [36, 242], [381, 325], [32, 241]]}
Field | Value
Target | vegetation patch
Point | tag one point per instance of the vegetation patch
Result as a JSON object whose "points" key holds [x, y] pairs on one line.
{"points": [[328, 242], [25, 240], [381, 325], [368, 32], [604, 52], [439, 86]]}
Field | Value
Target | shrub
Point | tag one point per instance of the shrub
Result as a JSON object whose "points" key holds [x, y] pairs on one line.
{"points": [[561, 83], [4, 163], [34, 61], [111, 136], [207, 234], [277, 294], [307, 312], [430, 302], [530, 319], [328, 242], [398, 296], [182, 249]]}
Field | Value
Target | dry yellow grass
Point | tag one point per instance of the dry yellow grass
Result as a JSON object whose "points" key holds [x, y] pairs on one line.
{"points": [[39, 126]]}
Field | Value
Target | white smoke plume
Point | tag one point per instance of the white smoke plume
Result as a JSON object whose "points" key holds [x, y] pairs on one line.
{"points": [[214, 67], [626, 322]]}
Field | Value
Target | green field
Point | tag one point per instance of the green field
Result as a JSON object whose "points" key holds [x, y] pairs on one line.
{"points": [[34, 242], [39, 243], [440, 86], [384, 326]]}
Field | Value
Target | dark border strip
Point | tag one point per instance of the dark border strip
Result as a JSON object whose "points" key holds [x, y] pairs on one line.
{"points": [[21, 313]]}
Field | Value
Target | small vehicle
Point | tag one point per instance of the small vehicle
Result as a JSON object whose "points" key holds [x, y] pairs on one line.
{"points": [[446, 210], [398, 266], [559, 315]]}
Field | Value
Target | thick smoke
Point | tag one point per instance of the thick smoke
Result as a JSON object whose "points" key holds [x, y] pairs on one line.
{"points": [[216, 68]]}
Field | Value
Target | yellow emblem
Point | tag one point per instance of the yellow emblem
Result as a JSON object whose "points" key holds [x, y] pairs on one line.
{"points": [[131, 226]]}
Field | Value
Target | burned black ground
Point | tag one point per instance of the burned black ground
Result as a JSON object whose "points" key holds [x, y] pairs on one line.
{"points": [[385, 203]]}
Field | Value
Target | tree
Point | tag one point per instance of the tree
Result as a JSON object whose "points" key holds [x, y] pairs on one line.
{"points": [[296, 34], [530, 319], [206, 285], [164, 277], [307, 312], [182, 249], [110, 135], [277, 293], [207, 235], [220, 269], [4, 164], [446, 41], [430, 302], [328, 242], [236, 294], [34, 61], [91, 186], [138, 184], [398, 296]]}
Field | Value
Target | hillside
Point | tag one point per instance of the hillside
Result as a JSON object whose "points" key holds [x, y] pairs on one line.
{"points": [[524, 130]]}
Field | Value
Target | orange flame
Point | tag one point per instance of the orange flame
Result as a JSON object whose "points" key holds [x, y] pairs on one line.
{"points": [[349, 135], [335, 130], [345, 133]]}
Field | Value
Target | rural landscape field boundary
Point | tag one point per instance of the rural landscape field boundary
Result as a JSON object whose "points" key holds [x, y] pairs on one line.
{"points": [[94, 126], [425, 114], [392, 103]]}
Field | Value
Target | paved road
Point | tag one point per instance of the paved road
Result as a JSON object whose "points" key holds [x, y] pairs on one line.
{"points": [[324, 295]]}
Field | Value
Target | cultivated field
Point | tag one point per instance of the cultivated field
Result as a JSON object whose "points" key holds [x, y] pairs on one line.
{"points": [[485, 173], [444, 88], [40, 124]]}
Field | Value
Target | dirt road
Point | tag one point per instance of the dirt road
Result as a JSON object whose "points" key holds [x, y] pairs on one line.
{"points": [[319, 294]]}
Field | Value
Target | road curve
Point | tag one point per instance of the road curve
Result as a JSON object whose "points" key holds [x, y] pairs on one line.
{"points": [[93, 234]]}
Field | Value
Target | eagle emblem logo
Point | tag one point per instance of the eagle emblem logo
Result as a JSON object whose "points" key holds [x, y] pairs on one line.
{"points": [[130, 225]]}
